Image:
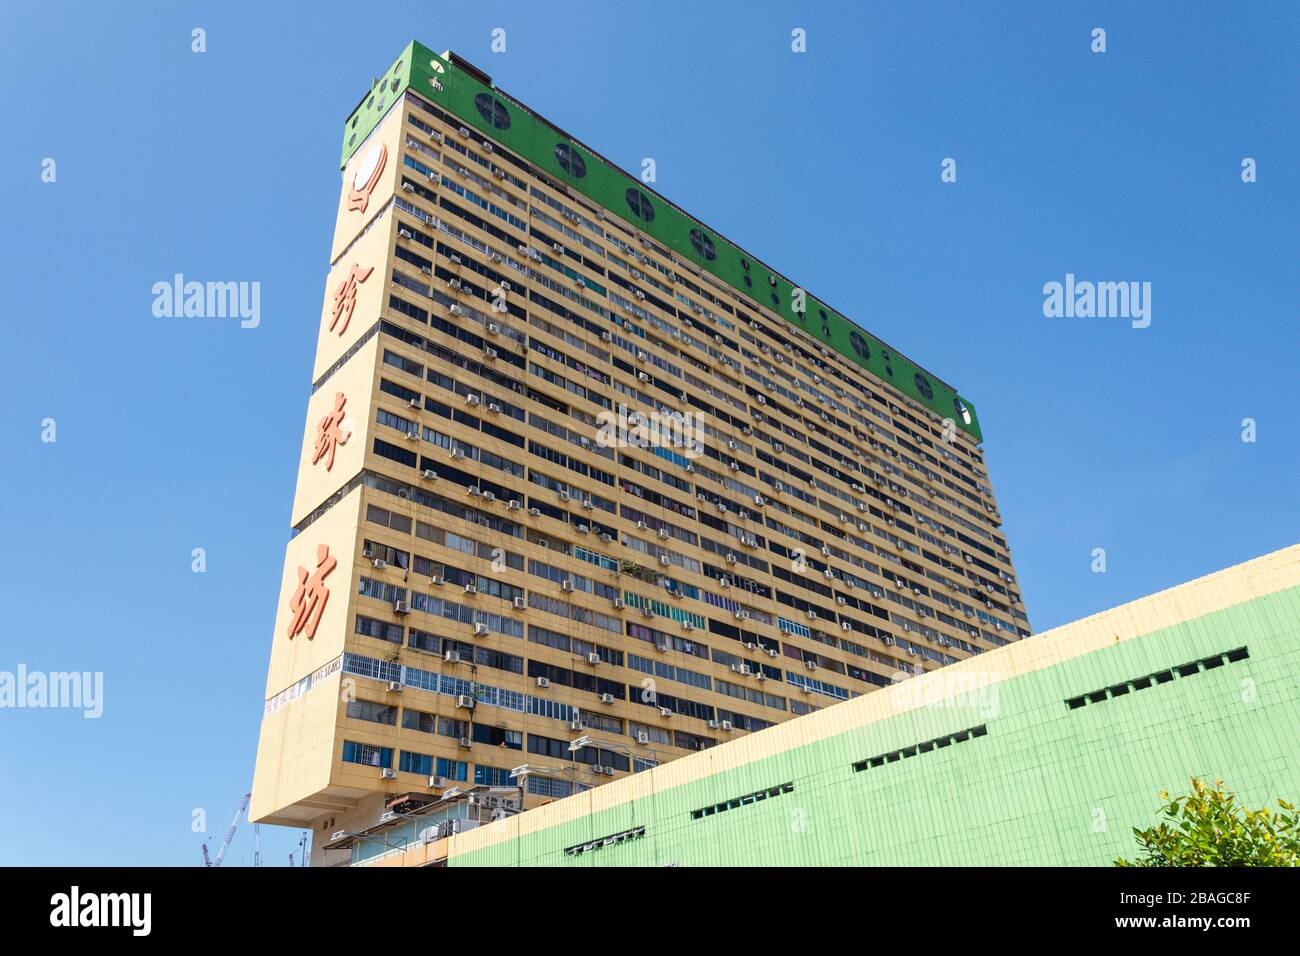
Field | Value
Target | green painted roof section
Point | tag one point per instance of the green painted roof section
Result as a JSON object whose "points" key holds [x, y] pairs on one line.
{"points": [[461, 93]]}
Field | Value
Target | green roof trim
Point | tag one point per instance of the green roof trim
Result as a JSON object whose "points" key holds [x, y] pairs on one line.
{"points": [[454, 88]]}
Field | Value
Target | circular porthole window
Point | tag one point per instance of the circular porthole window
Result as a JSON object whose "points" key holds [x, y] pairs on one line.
{"points": [[923, 386], [749, 283], [703, 244], [492, 110], [860, 345], [570, 160], [640, 204], [744, 263], [960, 407]]}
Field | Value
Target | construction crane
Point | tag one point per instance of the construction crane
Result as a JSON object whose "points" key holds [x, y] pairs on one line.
{"points": [[230, 835], [302, 846]]}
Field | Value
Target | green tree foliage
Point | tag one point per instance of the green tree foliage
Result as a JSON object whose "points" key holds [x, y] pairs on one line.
{"points": [[1207, 827]]}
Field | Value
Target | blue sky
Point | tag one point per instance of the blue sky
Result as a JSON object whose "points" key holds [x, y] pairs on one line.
{"points": [[175, 434]]}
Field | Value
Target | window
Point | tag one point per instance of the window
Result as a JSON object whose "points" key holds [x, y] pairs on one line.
{"points": [[570, 160], [703, 244], [367, 754], [452, 769], [640, 204], [492, 110], [923, 386], [492, 776], [368, 710]]}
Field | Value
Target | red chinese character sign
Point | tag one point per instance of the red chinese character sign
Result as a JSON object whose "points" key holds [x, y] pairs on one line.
{"points": [[308, 603], [330, 433], [345, 296], [367, 176]]}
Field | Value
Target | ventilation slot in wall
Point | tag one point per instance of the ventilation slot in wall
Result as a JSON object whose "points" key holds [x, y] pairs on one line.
{"points": [[611, 840], [924, 747], [746, 800], [1159, 677]]}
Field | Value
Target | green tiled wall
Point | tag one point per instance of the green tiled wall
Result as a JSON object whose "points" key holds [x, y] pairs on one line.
{"points": [[1045, 786]]}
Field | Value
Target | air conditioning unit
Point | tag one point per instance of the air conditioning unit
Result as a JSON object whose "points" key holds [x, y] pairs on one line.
{"points": [[593, 658], [566, 585], [413, 435], [457, 455], [513, 505], [662, 533], [688, 625], [386, 773], [619, 604], [455, 309], [489, 496], [543, 682], [731, 558], [401, 607], [429, 474], [394, 686], [474, 491], [811, 665], [742, 615], [379, 564], [714, 725], [480, 630], [607, 698], [519, 604], [494, 408], [465, 701], [642, 737], [661, 646], [565, 496], [534, 512], [466, 742], [727, 725], [845, 626], [489, 354], [437, 580], [471, 589], [665, 712], [606, 537], [582, 528], [403, 234], [664, 559], [452, 657]]}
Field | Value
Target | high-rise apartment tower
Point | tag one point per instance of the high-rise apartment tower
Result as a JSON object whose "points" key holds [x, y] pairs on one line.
{"points": [[585, 487]]}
